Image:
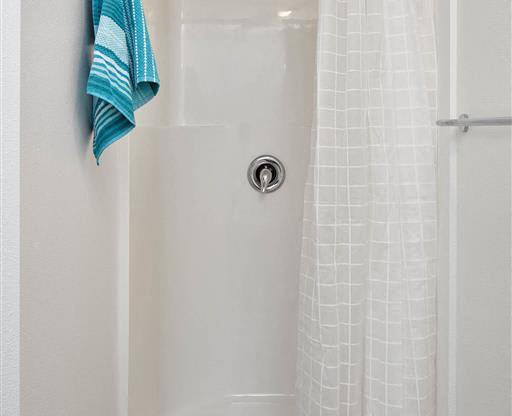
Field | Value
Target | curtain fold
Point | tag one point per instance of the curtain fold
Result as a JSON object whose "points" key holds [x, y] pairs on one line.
{"points": [[367, 319]]}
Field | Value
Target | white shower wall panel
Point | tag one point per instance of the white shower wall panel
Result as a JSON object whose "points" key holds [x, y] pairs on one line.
{"points": [[214, 264], [246, 73]]}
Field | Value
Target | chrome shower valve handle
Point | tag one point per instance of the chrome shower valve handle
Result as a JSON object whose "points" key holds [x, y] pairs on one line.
{"points": [[265, 179], [266, 174]]}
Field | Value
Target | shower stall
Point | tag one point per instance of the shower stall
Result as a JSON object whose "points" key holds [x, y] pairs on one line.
{"points": [[214, 264], [165, 283]]}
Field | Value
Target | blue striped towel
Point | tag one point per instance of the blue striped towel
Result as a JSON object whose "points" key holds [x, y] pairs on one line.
{"points": [[123, 75]]}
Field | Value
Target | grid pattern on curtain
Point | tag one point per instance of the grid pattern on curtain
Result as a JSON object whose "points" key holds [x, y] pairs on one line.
{"points": [[367, 320]]}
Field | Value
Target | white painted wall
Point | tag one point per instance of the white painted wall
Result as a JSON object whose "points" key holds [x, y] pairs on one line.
{"points": [[9, 206], [475, 228], [484, 212], [73, 219]]}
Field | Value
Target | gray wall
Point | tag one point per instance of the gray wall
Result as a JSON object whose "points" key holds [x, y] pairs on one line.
{"points": [[72, 218]]}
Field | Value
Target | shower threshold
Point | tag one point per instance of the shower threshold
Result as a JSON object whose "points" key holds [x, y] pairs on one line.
{"points": [[244, 405]]}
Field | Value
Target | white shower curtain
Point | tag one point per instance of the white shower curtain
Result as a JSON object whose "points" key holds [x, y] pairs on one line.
{"points": [[367, 322]]}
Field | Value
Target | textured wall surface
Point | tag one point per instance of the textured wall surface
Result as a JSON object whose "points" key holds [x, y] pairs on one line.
{"points": [[72, 220]]}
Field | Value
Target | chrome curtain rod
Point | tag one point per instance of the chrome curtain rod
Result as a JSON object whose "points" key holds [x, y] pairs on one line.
{"points": [[465, 122]]}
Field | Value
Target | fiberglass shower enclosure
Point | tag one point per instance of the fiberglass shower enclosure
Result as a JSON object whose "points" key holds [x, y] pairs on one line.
{"points": [[220, 335], [214, 265]]}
